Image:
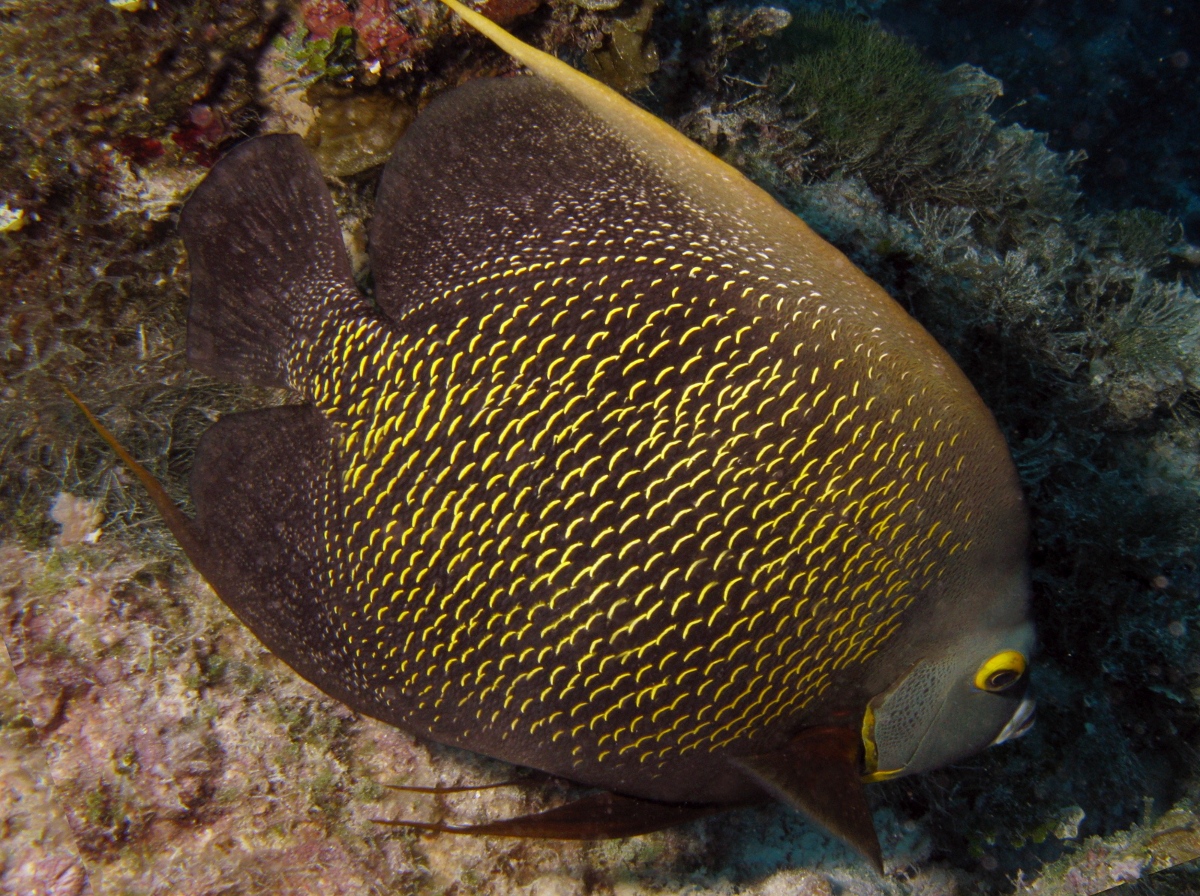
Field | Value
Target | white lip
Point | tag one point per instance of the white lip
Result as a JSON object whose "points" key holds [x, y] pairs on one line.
{"points": [[1021, 721]]}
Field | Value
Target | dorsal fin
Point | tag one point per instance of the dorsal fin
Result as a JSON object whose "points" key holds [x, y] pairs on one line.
{"points": [[730, 205], [651, 135], [479, 180], [264, 247], [709, 182]]}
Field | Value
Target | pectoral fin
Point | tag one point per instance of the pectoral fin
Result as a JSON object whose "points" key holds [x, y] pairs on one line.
{"points": [[818, 774]]}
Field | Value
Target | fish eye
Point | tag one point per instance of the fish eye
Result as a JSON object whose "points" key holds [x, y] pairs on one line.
{"points": [[1001, 672]]}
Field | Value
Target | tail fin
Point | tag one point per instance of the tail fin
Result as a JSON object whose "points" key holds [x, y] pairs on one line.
{"points": [[180, 526], [265, 250]]}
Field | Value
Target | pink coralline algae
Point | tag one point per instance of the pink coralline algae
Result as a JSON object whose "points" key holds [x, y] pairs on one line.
{"points": [[140, 150], [504, 11], [324, 17], [202, 133], [382, 38]]}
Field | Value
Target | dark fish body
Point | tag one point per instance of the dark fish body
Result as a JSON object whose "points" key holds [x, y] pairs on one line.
{"points": [[627, 477]]}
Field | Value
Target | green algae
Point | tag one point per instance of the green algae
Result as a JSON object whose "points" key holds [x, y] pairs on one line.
{"points": [[871, 105], [332, 58]]}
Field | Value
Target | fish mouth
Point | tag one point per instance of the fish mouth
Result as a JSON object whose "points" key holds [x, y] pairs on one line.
{"points": [[1022, 720]]}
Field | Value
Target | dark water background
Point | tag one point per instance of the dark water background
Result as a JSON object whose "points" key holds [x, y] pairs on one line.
{"points": [[1119, 79]]}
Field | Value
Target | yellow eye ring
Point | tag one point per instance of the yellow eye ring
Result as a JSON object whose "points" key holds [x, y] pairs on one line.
{"points": [[1001, 672]]}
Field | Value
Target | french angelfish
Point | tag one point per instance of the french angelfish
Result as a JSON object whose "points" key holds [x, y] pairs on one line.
{"points": [[626, 476]]}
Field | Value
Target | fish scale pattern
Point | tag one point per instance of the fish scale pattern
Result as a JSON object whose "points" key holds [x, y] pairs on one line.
{"points": [[631, 494]]}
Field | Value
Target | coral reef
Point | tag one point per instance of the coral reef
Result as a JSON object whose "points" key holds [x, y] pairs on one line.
{"points": [[1141, 853], [628, 58], [1079, 325], [1081, 333], [354, 131], [1118, 80], [94, 153], [38, 855], [228, 747], [240, 777]]}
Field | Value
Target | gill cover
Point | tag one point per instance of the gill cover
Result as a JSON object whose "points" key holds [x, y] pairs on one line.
{"points": [[950, 706]]}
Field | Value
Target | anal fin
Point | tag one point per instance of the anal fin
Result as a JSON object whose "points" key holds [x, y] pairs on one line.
{"points": [[259, 482], [817, 773], [180, 526]]}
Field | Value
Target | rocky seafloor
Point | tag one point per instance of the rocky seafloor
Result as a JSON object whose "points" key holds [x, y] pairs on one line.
{"points": [[151, 745]]}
